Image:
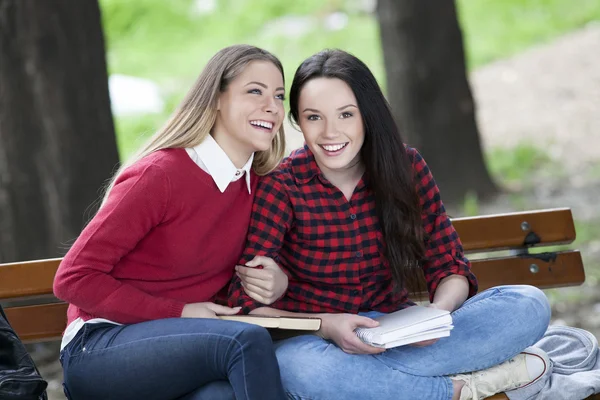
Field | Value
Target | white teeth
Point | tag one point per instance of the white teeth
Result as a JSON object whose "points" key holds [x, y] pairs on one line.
{"points": [[334, 147], [264, 124]]}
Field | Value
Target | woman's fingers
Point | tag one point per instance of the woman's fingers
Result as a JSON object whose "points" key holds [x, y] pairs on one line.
{"points": [[222, 310]]}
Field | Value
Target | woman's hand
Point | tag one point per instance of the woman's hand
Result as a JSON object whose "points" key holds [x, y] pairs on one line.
{"points": [[340, 329], [265, 285], [207, 310]]}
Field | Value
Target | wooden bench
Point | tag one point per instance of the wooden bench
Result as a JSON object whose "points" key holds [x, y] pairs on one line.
{"points": [[518, 234]]}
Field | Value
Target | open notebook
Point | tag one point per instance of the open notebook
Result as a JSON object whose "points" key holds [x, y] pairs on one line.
{"points": [[410, 325]]}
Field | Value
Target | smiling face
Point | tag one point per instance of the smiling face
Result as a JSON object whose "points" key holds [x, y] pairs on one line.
{"points": [[250, 111], [332, 125]]}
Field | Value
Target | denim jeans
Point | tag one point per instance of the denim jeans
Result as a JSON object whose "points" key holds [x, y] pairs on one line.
{"points": [[168, 359], [489, 328]]}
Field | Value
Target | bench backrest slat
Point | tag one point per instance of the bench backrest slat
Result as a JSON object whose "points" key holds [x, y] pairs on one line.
{"points": [[498, 232], [477, 234], [29, 278], [48, 320]]}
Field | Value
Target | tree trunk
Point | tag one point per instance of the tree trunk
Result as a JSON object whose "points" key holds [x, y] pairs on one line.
{"points": [[429, 93], [57, 140]]}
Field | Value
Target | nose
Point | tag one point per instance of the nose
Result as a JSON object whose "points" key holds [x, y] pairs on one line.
{"points": [[331, 129], [271, 106]]}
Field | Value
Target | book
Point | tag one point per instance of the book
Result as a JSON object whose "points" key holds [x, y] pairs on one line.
{"points": [[268, 321], [410, 325]]}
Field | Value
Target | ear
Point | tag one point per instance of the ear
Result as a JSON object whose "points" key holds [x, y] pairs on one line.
{"points": [[219, 104]]}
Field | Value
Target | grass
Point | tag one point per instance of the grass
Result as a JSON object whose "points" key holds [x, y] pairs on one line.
{"points": [[499, 28], [165, 42], [518, 164]]}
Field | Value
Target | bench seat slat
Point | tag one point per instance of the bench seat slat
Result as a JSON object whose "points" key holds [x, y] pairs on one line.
{"points": [[43, 322], [503, 231]]}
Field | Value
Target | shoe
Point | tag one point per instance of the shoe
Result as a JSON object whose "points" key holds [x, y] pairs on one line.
{"points": [[522, 370]]}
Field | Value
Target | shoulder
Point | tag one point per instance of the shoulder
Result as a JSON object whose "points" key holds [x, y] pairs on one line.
{"points": [[165, 163], [417, 161], [413, 154], [284, 173], [287, 177], [152, 172], [169, 161]]}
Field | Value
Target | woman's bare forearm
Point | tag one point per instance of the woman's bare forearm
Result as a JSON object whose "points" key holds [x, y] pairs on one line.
{"points": [[451, 292]]}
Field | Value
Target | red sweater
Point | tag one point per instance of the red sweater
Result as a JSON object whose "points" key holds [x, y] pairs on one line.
{"points": [[166, 237]]}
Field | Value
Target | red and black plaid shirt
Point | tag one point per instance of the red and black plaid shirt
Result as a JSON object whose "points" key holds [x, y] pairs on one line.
{"points": [[331, 248]]}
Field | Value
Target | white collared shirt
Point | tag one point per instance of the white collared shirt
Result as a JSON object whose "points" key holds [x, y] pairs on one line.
{"points": [[212, 159]]}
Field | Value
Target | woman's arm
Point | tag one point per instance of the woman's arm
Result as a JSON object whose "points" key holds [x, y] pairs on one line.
{"points": [[262, 279], [444, 255], [451, 293], [271, 219], [136, 204]]}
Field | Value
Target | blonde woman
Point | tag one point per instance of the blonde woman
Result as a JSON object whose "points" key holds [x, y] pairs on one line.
{"points": [[144, 277]]}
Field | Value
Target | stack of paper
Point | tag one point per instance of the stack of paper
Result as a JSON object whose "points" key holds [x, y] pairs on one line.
{"points": [[410, 325]]}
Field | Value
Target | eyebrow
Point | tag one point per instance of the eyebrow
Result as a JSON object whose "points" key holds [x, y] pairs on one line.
{"points": [[339, 109], [262, 85]]}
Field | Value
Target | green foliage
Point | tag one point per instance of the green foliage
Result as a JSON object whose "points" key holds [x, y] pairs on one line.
{"points": [[587, 231], [516, 163], [167, 42], [471, 204], [499, 28], [133, 130]]}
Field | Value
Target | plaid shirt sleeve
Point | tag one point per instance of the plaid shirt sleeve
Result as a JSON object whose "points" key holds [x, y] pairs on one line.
{"points": [[270, 220], [444, 255]]}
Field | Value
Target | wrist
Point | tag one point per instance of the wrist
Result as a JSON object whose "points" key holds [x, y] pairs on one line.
{"points": [[441, 305], [322, 330]]}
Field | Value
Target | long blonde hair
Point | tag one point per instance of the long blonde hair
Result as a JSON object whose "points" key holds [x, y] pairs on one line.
{"points": [[193, 119]]}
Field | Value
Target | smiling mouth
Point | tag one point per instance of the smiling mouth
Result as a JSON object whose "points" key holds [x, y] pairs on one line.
{"points": [[265, 126], [333, 148]]}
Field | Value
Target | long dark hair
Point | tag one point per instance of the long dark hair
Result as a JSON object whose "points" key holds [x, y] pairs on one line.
{"points": [[388, 170]]}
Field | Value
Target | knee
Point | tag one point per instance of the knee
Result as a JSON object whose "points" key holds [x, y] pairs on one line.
{"points": [[535, 305], [254, 336], [300, 361], [538, 301]]}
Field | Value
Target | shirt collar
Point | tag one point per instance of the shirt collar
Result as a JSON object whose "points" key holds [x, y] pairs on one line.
{"points": [[305, 168], [304, 165], [219, 166]]}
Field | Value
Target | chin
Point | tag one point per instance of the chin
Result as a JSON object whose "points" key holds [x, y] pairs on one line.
{"points": [[334, 166], [261, 146]]}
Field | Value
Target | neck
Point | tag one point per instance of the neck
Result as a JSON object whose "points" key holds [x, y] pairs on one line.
{"points": [[345, 179], [236, 153]]}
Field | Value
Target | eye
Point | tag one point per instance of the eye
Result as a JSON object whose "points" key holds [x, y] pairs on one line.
{"points": [[313, 117], [255, 91], [280, 97], [346, 114]]}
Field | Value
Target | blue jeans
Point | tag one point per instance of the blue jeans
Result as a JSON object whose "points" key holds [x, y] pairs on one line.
{"points": [[489, 328], [168, 359]]}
